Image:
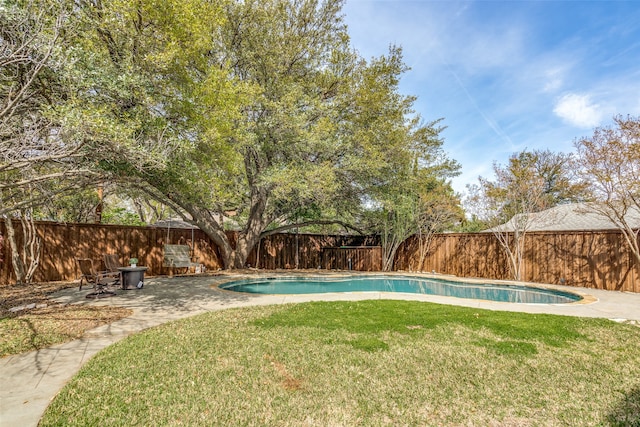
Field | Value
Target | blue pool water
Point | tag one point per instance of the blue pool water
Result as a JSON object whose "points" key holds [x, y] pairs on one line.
{"points": [[414, 285]]}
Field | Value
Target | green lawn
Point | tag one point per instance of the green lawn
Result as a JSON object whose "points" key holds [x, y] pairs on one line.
{"points": [[368, 363]]}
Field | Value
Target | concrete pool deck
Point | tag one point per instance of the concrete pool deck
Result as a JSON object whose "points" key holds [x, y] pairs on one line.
{"points": [[31, 380]]}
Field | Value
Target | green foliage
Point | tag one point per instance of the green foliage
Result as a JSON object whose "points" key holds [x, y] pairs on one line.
{"points": [[121, 216], [472, 225], [422, 204], [123, 53], [76, 207], [260, 108]]}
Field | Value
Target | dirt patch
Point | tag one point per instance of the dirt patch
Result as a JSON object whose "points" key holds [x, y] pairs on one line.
{"points": [[21, 295], [29, 320]]}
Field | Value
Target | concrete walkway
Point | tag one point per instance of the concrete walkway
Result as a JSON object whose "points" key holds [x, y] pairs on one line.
{"points": [[31, 380]]}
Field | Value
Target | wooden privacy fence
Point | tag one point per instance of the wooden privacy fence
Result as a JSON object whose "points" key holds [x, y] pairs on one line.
{"points": [[62, 243], [312, 251], [590, 259], [359, 258]]}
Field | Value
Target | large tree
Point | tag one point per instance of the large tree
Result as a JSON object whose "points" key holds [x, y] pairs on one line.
{"points": [[268, 112], [609, 163], [323, 131], [289, 132]]}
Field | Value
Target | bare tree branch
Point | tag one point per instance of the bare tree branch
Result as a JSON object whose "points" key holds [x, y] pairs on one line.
{"points": [[309, 223], [610, 163], [27, 50], [47, 177]]}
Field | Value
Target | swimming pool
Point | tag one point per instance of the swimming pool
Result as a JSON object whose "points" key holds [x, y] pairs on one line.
{"points": [[403, 284]]}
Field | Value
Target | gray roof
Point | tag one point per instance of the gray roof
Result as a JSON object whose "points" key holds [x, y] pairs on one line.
{"points": [[568, 217], [229, 223], [174, 223]]}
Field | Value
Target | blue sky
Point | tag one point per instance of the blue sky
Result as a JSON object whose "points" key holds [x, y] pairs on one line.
{"points": [[508, 75]]}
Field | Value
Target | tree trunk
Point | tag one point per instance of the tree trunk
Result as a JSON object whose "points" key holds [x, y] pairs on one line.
{"points": [[100, 205], [31, 246], [512, 244], [16, 260], [236, 258], [233, 256], [424, 245], [26, 258]]}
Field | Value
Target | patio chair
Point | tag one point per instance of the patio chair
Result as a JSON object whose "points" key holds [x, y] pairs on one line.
{"points": [[111, 262], [101, 281]]}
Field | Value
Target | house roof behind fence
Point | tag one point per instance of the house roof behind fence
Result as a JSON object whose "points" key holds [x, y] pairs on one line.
{"points": [[174, 223], [568, 217]]}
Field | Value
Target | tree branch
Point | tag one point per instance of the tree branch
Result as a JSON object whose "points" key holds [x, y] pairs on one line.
{"points": [[308, 223]]}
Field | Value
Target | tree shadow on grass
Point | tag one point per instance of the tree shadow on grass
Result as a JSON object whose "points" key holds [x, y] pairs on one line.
{"points": [[627, 412]]}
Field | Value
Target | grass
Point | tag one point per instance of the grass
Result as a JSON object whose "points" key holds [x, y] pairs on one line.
{"points": [[47, 323], [369, 363]]}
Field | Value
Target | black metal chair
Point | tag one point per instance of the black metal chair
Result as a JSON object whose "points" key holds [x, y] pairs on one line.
{"points": [[111, 262], [101, 281]]}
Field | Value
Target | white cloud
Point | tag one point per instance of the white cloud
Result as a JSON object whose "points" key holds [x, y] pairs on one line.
{"points": [[552, 84], [578, 110], [554, 77]]}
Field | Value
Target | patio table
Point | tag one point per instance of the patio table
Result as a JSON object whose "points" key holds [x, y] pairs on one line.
{"points": [[132, 277]]}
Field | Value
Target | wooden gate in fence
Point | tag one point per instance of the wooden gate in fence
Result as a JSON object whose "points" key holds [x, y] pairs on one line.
{"points": [[359, 258]]}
